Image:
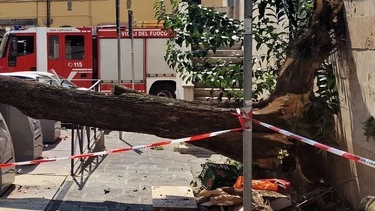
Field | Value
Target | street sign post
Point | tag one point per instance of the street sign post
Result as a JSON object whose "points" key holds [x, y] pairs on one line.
{"points": [[247, 106]]}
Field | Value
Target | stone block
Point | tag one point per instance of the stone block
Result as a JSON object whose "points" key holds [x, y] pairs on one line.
{"points": [[173, 198]]}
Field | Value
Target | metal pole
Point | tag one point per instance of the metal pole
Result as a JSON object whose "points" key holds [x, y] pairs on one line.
{"points": [[72, 151], [247, 106], [48, 19], [118, 42], [118, 48], [130, 19]]}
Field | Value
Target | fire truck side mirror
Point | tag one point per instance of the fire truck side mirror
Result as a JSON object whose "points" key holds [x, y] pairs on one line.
{"points": [[13, 47], [12, 59]]}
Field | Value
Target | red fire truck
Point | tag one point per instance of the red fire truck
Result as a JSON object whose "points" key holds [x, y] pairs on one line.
{"points": [[85, 55]]}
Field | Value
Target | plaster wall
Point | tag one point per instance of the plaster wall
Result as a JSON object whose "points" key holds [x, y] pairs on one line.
{"points": [[355, 65], [83, 12]]}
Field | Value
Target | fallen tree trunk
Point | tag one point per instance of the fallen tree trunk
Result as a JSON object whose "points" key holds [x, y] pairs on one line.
{"points": [[131, 112]]}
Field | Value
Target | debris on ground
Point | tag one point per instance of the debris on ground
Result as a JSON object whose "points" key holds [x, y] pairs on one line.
{"points": [[215, 175], [222, 189], [231, 197]]}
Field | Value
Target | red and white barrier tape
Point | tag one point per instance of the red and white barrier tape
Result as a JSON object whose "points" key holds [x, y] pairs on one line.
{"points": [[113, 151], [243, 117], [324, 147]]}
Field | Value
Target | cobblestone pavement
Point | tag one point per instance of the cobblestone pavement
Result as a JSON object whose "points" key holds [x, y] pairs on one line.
{"points": [[120, 181]]}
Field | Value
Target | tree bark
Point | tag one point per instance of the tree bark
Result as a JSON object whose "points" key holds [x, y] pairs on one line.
{"points": [[131, 112], [135, 112]]}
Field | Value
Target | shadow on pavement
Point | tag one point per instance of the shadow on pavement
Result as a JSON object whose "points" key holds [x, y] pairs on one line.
{"points": [[100, 206], [85, 168], [52, 145], [135, 150], [37, 204], [58, 203]]}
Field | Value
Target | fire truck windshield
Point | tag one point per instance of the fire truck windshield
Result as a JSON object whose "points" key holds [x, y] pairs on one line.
{"points": [[3, 45]]}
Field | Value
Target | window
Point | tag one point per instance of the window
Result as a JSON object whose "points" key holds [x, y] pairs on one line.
{"points": [[74, 47], [25, 45], [53, 47]]}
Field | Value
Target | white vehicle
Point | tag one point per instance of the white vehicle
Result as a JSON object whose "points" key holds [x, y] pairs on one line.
{"points": [[51, 129], [33, 76], [46, 78]]}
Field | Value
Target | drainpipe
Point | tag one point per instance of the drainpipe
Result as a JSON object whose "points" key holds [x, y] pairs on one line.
{"points": [[48, 13], [236, 9]]}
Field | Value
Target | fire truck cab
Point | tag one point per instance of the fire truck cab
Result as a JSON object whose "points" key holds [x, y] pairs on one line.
{"points": [[67, 50]]}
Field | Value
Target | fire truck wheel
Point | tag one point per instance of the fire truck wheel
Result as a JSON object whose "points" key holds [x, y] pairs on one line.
{"points": [[164, 90]]}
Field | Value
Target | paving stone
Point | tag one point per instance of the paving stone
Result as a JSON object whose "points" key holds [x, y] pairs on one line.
{"points": [[128, 177]]}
